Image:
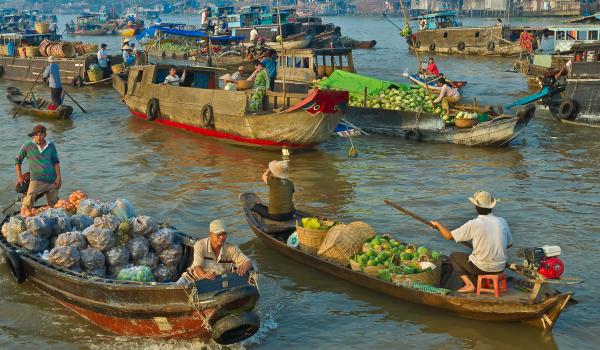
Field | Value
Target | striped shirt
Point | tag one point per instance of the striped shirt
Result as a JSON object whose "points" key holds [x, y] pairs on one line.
{"points": [[40, 161], [230, 257]]}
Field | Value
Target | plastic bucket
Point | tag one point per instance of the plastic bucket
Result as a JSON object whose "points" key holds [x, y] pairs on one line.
{"points": [[10, 49]]}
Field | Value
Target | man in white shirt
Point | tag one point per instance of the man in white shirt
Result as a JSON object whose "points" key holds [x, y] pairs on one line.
{"points": [[239, 74], [103, 59], [253, 35], [173, 78], [490, 236]]}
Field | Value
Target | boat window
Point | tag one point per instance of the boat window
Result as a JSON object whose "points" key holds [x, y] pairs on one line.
{"points": [[477, 34], [445, 34], [593, 35], [582, 35], [560, 35], [139, 76]]}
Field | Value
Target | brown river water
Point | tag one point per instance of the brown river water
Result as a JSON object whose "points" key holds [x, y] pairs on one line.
{"points": [[548, 183]]}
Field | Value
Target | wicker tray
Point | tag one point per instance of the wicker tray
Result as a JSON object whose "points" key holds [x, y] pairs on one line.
{"points": [[428, 277]]}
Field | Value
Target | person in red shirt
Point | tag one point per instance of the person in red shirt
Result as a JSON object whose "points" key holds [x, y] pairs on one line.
{"points": [[432, 67]]}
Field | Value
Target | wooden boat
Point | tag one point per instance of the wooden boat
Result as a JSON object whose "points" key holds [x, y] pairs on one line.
{"points": [[327, 39], [198, 105], [92, 32], [291, 44], [222, 309], [540, 308], [36, 106], [356, 44], [431, 84], [499, 130]]}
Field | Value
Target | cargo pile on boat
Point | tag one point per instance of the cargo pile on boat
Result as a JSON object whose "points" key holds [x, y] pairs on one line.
{"points": [[99, 239]]}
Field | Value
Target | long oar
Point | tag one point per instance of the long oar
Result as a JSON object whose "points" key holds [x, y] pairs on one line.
{"points": [[72, 99], [418, 218], [30, 89], [389, 20]]}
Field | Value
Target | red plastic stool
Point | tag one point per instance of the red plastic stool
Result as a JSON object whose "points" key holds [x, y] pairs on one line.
{"points": [[483, 284]]}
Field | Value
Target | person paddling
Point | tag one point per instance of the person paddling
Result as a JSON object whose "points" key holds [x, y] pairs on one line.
{"points": [[281, 193], [490, 236]]}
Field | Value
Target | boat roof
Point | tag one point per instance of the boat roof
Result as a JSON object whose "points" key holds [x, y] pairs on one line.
{"points": [[190, 68], [581, 46], [319, 52], [576, 27], [437, 14], [593, 18]]}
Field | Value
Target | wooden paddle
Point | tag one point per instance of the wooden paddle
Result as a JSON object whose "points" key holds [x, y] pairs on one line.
{"points": [[30, 89], [72, 99], [419, 218]]}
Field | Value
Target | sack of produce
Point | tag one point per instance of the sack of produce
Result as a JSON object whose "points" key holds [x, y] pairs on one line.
{"points": [[113, 271], [138, 247], [65, 256], [80, 222], [39, 226], [75, 239], [342, 242], [66, 206], [123, 209], [137, 274], [92, 258], [98, 238], [172, 255], [424, 272], [90, 208], [97, 272], [311, 232], [150, 260], [143, 225], [123, 232], [165, 274], [62, 224], [5, 229], [108, 222], [117, 256], [162, 239], [16, 225], [31, 242], [76, 197]]}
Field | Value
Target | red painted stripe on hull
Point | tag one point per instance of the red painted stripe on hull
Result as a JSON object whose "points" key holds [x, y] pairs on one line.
{"points": [[187, 327], [222, 135]]}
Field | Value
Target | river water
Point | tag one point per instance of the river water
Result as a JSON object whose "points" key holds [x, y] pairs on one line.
{"points": [[547, 182]]}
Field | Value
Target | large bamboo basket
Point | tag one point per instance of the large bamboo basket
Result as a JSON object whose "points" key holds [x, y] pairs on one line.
{"points": [[32, 51], [243, 84], [428, 277], [95, 75], [342, 242], [465, 123], [42, 27], [373, 270]]}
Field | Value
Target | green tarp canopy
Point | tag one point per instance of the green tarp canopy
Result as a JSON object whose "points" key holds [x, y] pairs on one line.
{"points": [[355, 83]]}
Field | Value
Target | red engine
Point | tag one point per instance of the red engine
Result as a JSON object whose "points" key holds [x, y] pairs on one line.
{"points": [[551, 267]]}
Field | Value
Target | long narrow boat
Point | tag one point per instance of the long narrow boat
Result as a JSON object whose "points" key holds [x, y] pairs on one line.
{"points": [[540, 309], [36, 106], [431, 84], [198, 105], [221, 309]]}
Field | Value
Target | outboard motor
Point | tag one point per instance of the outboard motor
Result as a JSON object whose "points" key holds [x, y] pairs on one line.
{"points": [[544, 261]]}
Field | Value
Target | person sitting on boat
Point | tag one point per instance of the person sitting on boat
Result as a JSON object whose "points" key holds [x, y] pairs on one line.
{"points": [[432, 68], [239, 74], [261, 85], [173, 78], [128, 58], [270, 63], [448, 94], [52, 75], [490, 237], [281, 193], [213, 256], [568, 67], [44, 168], [499, 22], [228, 81], [103, 60]]}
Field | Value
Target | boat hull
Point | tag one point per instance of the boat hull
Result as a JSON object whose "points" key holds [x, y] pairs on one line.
{"points": [[585, 92]]}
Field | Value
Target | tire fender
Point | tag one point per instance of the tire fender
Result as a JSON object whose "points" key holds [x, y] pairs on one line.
{"points": [[432, 47], [153, 109], [1, 70], [207, 118], [15, 266], [567, 109], [235, 328], [461, 46], [491, 46], [418, 44], [65, 112], [77, 81]]}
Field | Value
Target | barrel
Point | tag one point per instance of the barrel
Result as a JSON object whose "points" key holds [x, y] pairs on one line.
{"points": [[32, 51], [10, 49], [42, 27]]}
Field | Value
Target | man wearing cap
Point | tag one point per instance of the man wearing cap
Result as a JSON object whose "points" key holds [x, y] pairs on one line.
{"points": [[239, 74], [490, 237], [102, 57], [213, 256], [52, 75], [44, 167]]}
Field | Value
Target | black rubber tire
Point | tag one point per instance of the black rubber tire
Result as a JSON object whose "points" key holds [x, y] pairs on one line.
{"points": [[235, 328], [15, 266], [65, 112], [461, 46], [207, 118], [418, 44], [1, 70], [432, 47], [232, 295], [567, 109], [153, 109], [77, 81], [491, 46]]}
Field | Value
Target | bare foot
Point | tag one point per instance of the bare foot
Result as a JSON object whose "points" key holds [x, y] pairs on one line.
{"points": [[467, 289]]}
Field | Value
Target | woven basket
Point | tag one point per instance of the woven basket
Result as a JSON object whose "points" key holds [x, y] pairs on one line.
{"points": [[42, 27], [243, 84], [465, 123], [340, 243], [310, 239], [95, 75], [117, 68], [373, 270], [428, 277], [32, 51], [363, 230]]}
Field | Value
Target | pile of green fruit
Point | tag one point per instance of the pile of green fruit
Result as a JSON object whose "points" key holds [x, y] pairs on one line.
{"points": [[316, 223], [406, 32], [386, 251]]}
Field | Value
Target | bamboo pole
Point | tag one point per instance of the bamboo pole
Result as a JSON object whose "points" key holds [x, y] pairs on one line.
{"points": [[282, 52]]}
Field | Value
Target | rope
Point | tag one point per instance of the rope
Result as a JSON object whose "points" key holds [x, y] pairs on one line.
{"points": [[194, 300]]}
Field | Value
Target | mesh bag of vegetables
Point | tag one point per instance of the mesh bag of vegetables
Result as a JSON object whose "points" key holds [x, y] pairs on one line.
{"points": [[91, 208], [150, 260], [165, 274], [65, 256], [92, 258], [138, 247], [123, 209], [80, 222], [98, 238], [162, 239], [97, 272], [143, 225], [117, 256], [108, 222], [76, 239], [137, 274], [39, 226], [172, 255], [32, 242], [16, 225]]}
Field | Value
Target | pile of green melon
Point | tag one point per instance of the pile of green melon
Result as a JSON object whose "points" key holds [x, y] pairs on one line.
{"points": [[386, 251]]}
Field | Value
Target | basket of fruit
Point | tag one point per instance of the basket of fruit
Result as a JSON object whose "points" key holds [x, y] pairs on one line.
{"points": [[424, 272], [311, 232], [465, 120]]}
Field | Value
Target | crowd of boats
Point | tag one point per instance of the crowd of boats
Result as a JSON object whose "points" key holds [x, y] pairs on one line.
{"points": [[309, 101]]}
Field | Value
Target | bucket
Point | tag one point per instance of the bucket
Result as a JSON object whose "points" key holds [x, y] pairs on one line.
{"points": [[10, 49], [95, 75], [32, 51], [42, 27], [117, 68]]}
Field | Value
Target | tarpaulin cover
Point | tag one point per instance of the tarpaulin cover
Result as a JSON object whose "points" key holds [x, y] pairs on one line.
{"points": [[150, 32], [355, 84]]}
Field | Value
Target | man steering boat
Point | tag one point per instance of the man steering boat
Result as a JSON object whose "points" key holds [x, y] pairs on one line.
{"points": [[491, 239]]}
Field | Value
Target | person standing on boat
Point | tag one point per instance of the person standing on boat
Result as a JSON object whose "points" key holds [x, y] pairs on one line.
{"points": [[490, 236], [44, 168], [270, 63], [448, 94], [128, 58], [173, 78], [102, 57], [261, 85], [213, 256], [52, 75], [281, 193], [253, 35]]}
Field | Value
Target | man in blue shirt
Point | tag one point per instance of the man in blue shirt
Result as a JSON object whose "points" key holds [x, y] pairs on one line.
{"points": [[52, 74], [270, 63]]}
